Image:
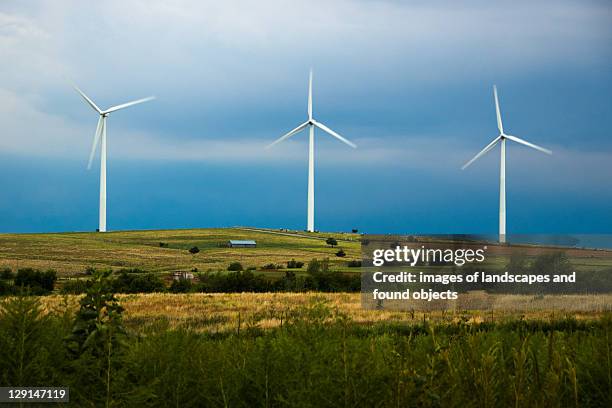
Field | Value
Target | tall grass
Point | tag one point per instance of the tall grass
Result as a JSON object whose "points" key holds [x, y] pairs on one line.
{"points": [[318, 356]]}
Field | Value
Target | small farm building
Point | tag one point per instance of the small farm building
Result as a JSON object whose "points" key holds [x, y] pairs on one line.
{"points": [[236, 243]]}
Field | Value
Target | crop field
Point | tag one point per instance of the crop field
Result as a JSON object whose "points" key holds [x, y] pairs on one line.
{"points": [[71, 253]]}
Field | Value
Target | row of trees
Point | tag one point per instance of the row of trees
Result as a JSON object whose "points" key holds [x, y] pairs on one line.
{"points": [[31, 280], [319, 277]]}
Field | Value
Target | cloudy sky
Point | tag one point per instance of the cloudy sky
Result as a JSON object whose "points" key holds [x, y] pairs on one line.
{"points": [[409, 82]]}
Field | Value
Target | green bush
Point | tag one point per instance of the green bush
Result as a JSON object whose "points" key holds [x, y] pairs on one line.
{"points": [[233, 282], [137, 283], [75, 286], [6, 274], [181, 286], [269, 267], [31, 344], [293, 264], [35, 281], [235, 266], [331, 242]]}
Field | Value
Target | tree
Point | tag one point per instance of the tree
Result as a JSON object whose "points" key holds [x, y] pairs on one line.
{"points": [[331, 242], [315, 266], [6, 274], [235, 266], [37, 282], [341, 253], [181, 285], [137, 283], [194, 250], [293, 264], [518, 263], [97, 341], [24, 341]]}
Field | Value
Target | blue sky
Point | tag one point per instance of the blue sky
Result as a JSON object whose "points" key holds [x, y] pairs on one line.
{"points": [[409, 82]]}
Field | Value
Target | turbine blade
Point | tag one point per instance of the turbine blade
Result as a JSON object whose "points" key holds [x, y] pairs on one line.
{"points": [[499, 119], [482, 152], [526, 143], [288, 134], [334, 134], [310, 96], [125, 105], [95, 142], [89, 101]]}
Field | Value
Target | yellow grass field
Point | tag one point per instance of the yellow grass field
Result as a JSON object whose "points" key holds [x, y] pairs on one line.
{"points": [[219, 313]]}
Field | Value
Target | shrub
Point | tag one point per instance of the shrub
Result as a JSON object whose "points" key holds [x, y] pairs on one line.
{"points": [[341, 253], [235, 266], [268, 267], [6, 274], [75, 286], [194, 250], [331, 242], [31, 344], [5, 288], [37, 282], [163, 245], [138, 283], [354, 264], [96, 344], [181, 285], [89, 270], [293, 264], [233, 282], [131, 270], [315, 266], [251, 268]]}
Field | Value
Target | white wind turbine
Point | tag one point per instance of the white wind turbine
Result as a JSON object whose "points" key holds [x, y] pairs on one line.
{"points": [[310, 124], [100, 136], [502, 171]]}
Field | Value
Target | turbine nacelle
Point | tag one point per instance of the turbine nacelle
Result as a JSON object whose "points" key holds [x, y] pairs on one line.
{"points": [[312, 122], [502, 137], [103, 115]]}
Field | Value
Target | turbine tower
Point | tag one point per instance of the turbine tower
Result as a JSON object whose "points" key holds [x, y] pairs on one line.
{"points": [[501, 139], [311, 123], [100, 136]]}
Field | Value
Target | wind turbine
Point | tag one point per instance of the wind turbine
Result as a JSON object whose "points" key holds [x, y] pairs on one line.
{"points": [[501, 139], [100, 136], [311, 123]]}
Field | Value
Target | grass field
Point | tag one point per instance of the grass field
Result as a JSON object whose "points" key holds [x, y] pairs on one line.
{"points": [[71, 253]]}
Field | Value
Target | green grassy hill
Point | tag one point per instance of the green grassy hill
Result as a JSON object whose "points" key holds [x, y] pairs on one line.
{"points": [[71, 253]]}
